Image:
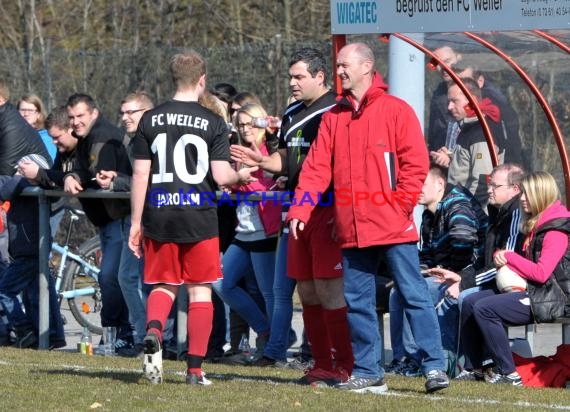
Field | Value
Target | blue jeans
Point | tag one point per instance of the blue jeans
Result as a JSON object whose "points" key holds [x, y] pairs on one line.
{"points": [[464, 293], [403, 344], [238, 263], [447, 311], [130, 280], [218, 336], [360, 267], [114, 311], [22, 275], [283, 288]]}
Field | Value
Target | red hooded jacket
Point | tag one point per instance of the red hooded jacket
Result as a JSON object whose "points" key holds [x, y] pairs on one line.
{"points": [[378, 160]]}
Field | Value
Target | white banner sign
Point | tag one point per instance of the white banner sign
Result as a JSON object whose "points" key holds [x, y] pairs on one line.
{"points": [[423, 16]]}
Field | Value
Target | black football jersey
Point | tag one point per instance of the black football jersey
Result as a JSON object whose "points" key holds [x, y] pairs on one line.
{"points": [[299, 127], [181, 139]]}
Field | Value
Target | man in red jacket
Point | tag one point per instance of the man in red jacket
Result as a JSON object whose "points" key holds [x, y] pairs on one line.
{"points": [[371, 146]]}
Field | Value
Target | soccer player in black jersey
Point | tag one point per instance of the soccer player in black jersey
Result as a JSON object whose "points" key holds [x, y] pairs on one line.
{"points": [[181, 155], [314, 259]]}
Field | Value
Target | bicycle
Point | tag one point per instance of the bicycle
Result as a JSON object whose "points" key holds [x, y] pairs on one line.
{"points": [[76, 277]]}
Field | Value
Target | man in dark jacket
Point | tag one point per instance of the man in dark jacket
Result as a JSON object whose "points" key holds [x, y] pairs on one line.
{"points": [[22, 275], [503, 233], [100, 147], [17, 137], [504, 226], [59, 129], [133, 106], [57, 126]]}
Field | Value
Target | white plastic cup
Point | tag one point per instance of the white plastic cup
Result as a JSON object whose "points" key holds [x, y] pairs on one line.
{"points": [[109, 339]]}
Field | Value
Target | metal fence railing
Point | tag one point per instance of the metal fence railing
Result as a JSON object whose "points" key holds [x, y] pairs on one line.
{"points": [[45, 246]]}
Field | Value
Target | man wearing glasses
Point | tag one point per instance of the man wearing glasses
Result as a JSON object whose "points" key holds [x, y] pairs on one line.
{"points": [[503, 233], [130, 269], [133, 107]]}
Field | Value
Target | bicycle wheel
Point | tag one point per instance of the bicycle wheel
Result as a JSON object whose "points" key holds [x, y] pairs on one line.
{"points": [[85, 309]]}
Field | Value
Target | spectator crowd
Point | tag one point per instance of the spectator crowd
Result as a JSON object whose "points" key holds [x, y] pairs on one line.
{"points": [[481, 225]]}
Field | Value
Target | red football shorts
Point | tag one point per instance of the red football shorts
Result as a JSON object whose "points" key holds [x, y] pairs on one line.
{"points": [[180, 263], [315, 254]]}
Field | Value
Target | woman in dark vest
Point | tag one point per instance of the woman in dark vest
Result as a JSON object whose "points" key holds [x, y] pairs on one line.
{"points": [[544, 266]]}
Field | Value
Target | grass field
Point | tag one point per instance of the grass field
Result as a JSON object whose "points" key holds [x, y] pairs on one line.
{"points": [[64, 381]]}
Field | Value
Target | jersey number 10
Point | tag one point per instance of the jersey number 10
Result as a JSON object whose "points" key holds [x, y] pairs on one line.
{"points": [[159, 146]]}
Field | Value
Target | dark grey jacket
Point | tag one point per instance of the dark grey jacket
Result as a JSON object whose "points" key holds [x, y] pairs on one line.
{"points": [[23, 217], [503, 233], [17, 139], [552, 299]]}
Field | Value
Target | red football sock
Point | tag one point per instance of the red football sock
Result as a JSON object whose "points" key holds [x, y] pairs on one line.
{"points": [[158, 307], [339, 334], [200, 318], [318, 336]]}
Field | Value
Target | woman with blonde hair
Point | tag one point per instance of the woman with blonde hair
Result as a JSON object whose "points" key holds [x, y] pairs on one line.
{"points": [[539, 192], [544, 268], [32, 109], [251, 254]]}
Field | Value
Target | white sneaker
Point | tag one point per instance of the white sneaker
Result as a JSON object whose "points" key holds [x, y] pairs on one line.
{"points": [[152, 359]]}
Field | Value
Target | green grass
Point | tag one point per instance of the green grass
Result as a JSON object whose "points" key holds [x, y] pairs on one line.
{"points": [[63, 381]]}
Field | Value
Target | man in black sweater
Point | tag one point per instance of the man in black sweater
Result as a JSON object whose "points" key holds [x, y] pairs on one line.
{"points": [[100, 147]]}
